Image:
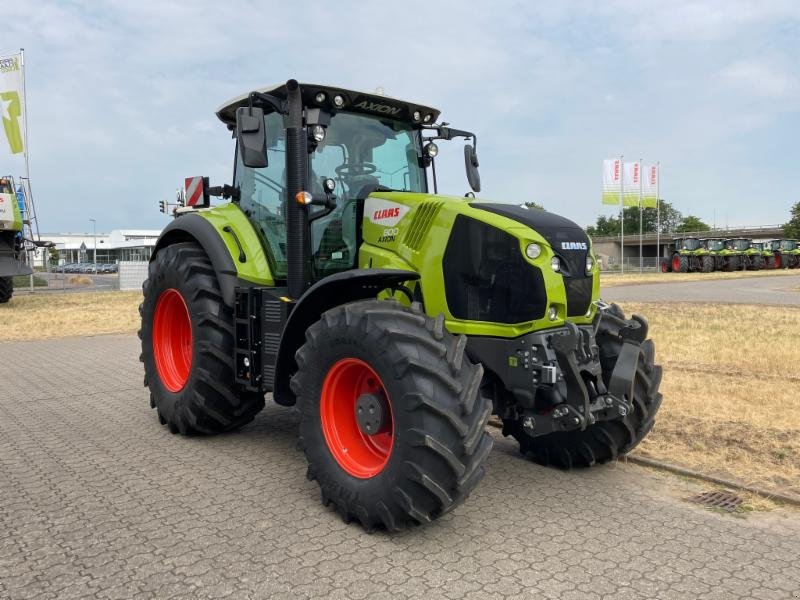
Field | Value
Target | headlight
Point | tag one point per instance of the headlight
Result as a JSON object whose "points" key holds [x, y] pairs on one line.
{"points": [[431, 150], [553, 314], [428, 118], [416, 116], [320, 97], [555, 262], [338, 101], [589, 264], [533, 251], [318, 132]]}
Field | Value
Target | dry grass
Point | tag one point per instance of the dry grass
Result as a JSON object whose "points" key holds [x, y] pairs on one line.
{"points": [[44, 316], [615, 279], [731, 376]]}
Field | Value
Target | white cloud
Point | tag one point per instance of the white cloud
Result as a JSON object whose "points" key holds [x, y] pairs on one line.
{"points": [[122, 94]]}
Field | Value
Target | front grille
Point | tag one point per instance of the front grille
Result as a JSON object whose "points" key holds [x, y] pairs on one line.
{"points": [[576, 284], [486, 277]]}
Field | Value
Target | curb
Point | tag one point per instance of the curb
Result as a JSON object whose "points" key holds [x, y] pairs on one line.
{"points": [[737, 485], [730, 483]]}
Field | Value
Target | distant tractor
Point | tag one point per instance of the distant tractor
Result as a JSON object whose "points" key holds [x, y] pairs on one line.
{"points": [[687, 255], [726, 257], [750, 258], [784, 255], [394, 319], [11, 240], [766, 254]]}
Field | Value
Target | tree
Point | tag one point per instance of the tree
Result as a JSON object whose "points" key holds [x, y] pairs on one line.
{"points": [[670, 219], [52, 255], [691, 223], [533, 205], [792, 228]]}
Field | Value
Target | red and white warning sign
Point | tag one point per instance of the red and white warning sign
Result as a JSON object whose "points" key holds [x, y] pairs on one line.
{"points": [[194, 190]]}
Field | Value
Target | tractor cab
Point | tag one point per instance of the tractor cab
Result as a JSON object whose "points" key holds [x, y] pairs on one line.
{"points": [[689, 244], [714, 244], [356, 143], [738, 244]]}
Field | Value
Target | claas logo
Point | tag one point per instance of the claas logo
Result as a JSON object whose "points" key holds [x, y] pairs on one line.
{"points": [[385, 213]]}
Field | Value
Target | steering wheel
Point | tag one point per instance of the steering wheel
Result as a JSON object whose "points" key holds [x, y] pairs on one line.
{"points": [[355, 169]]}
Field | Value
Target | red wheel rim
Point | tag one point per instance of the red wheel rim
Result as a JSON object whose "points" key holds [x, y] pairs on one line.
{"points": [[676, 263], [777, 261], [172, 340], [663, 266], [359, 454]]}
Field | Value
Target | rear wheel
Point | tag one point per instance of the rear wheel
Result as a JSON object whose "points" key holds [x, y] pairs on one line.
{"points": [[187, 346], [683, 264], [392, 420], [665, 266], [708, 264], [6, 289], [758, 262], [733, 263], [605, 440]]}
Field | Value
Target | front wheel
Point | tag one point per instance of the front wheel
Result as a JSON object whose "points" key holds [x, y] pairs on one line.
{"points": [[6, 289], [605, 440], [683, 264], [187, 346], [392, 421]]}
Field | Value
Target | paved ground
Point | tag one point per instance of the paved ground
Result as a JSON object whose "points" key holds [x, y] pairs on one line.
{"points": [[747, 290], [98, 500]]}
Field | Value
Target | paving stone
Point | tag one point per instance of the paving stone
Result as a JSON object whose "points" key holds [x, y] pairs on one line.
{"points": [[100, 501]]}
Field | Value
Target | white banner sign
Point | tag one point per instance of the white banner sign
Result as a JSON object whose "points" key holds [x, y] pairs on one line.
{"points": [[11, 97], [612, 180], [633, 182]]}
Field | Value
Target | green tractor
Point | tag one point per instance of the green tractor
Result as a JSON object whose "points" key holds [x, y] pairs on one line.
{"points": [[784, 254], [688, 254], [749, 257], [11, 240], [726, 258], [394, 320], [766, 254]]}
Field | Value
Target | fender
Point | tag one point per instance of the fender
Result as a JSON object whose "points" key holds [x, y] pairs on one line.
{"points": [[194, 228], [334, 290]]}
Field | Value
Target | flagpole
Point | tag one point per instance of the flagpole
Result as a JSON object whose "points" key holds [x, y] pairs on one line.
{"points": [[622, 214], [25, 113], [641, 263], [658, 211]]}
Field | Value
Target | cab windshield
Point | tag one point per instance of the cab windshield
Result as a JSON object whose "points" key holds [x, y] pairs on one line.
{"points": [[690, 244], [740, 244], [788, 245], [714, 245], [360, 153]]}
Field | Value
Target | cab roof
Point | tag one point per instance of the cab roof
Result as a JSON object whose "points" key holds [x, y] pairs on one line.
{"points": [[354, 101]]}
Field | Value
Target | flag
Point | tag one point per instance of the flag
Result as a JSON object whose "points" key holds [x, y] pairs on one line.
{"points": [[650, 187], [11, 109], [612, 180], [632, 177]]}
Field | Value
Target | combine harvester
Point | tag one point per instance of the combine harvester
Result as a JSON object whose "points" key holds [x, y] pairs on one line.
{"points": [[396, 320], [19, 233]]}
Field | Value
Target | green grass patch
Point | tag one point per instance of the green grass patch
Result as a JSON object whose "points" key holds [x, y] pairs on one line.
{"points": [[23, 281]]}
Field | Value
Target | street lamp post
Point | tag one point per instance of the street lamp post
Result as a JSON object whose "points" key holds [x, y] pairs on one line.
{"points": [[94, 236]]}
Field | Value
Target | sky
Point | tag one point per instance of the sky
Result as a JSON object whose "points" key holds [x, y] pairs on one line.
{"points": [[122, 95]]}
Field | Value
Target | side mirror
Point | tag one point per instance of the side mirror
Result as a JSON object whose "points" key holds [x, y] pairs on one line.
{"points": [[251, 136], [471, 162]]}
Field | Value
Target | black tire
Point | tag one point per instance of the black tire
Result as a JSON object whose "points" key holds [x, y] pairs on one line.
{"points": [[733, 263], [770, 262], [439, 416], [6, 289], [684, 264], [758, 262], [208, 402], [606, 440], [708, 264]]}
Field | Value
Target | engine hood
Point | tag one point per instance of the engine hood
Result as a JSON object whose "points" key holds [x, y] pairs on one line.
{"points": [[562, 234]]}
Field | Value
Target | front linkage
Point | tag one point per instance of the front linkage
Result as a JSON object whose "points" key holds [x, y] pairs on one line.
{"points": [[558, 386]]}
